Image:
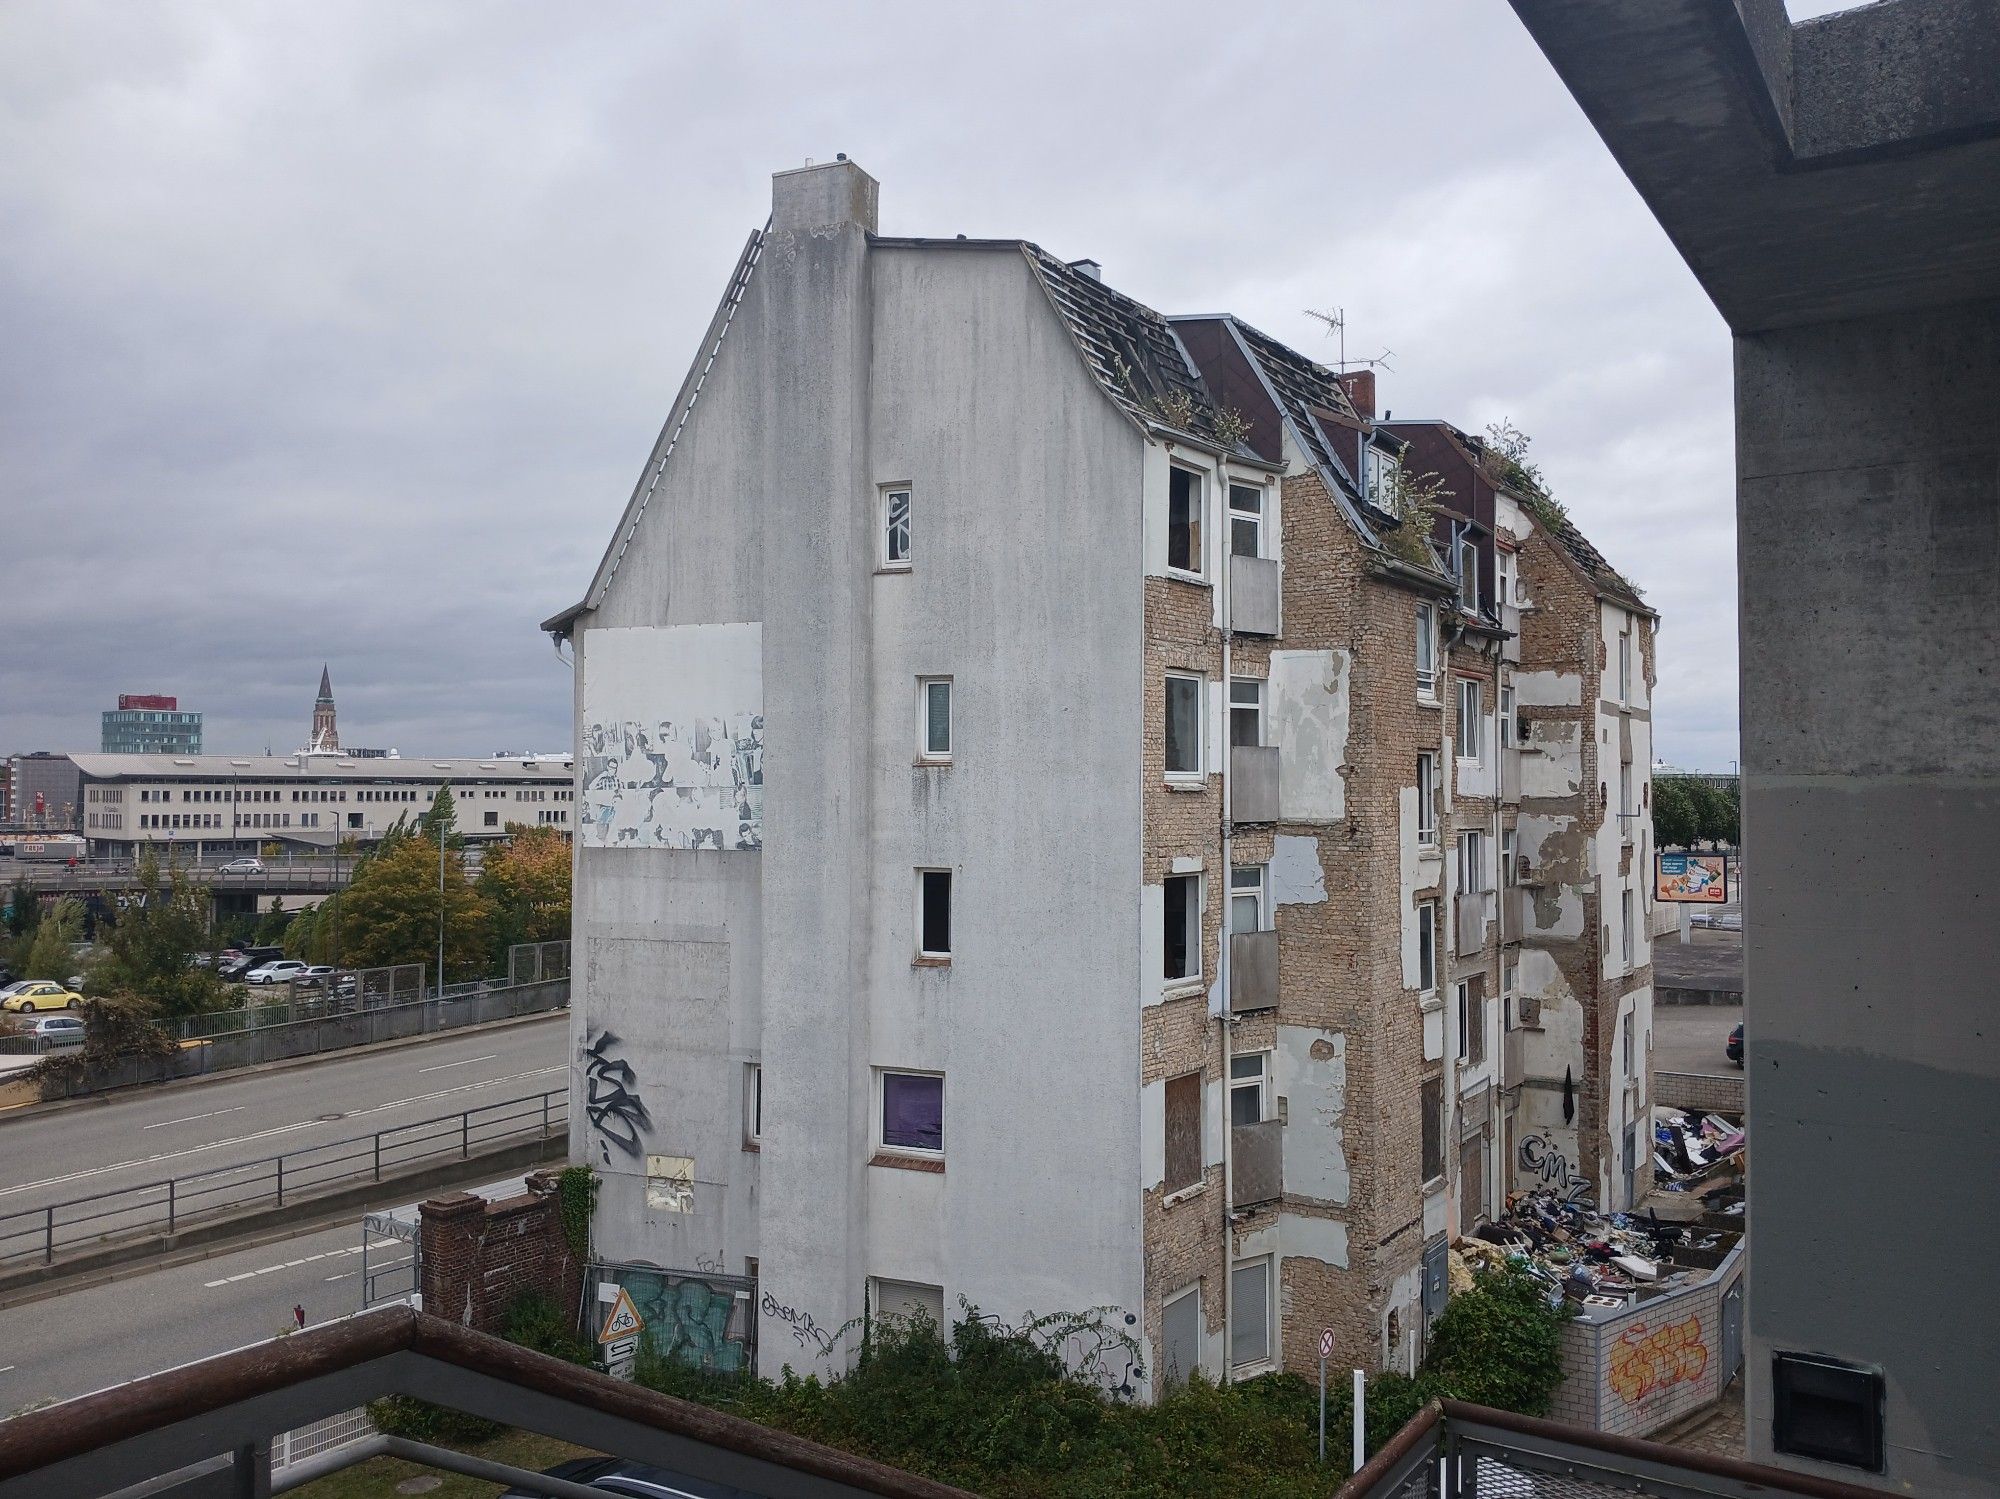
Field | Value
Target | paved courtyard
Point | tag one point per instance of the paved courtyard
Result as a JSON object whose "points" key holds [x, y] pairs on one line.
{"points": [[1690, 1038]]}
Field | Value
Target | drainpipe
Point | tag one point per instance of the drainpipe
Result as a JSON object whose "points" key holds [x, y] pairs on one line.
{"points": [[1222, 956]]}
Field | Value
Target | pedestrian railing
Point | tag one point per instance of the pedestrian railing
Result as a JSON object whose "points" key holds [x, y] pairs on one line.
{"points": [[42, 1234]]}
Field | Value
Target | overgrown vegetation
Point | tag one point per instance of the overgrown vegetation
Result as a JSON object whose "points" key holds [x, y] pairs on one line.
{"points": [[151, 941], [115, 1026], [46, 950], [576, 1200], [1414, 499], [1693, 810], [525, 884]]}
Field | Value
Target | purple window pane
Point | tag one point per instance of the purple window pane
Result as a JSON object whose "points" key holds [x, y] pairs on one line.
{"points": [[913, 1112]]}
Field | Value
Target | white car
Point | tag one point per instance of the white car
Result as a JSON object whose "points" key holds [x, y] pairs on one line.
{"points": [[243, 866], [275, 972]]}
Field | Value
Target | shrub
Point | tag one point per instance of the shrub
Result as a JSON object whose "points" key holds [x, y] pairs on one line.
{"points": [[534, 1320], [420, 1421], [1499, 1344]]}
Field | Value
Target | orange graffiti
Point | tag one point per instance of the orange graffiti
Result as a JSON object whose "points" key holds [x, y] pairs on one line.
{"points": [[1646, 1362]]}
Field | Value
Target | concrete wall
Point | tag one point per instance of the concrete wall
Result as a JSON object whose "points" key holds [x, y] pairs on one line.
{"points": [[1869, 541]]}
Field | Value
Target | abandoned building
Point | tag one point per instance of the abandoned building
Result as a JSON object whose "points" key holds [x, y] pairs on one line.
{"points": [[1075, 812]]}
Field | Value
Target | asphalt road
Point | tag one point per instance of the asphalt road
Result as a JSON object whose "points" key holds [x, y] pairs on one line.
{"points": [[146, 1135], [157, 1319], [1690, 1038]]}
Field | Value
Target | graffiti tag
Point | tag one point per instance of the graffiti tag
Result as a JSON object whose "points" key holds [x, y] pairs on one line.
{"points": [[611, 1096], [1645, 1362], [696, 1328], [804, 1329], [1540, 1157]]}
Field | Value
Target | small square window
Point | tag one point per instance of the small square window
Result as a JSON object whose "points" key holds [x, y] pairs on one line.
{"points": [[1183, 945], [913, 1112], [1184, 521], [1246, 520], [934, 718], [933, 913], [895, 528], [1183, 725]]}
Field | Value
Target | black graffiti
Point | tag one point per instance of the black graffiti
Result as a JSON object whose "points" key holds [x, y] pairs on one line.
{"points": [[1539, 1155], [1093, 1344], [804, 1328], [611, 1099]]}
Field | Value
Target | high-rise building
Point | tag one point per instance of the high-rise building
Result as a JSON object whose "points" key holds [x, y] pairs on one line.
{"points": [[149, 724]]}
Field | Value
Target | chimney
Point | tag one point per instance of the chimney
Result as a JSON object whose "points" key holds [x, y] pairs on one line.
{"points": [[833, 195], [1088, 268], [1360, 388]]}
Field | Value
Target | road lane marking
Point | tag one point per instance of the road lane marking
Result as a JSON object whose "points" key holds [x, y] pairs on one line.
{"points": [[463, 1062], [283, 1129], [373, 1269], [190, 1119], [8, 1368], [230, 1280]]}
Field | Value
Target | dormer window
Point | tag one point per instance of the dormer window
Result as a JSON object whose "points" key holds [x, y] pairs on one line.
{"points": [[1468, 573], [1379, 478]]}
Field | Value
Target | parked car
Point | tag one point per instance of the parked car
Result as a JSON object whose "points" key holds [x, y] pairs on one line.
{"points": [[249, 958], [6, 975], [244, 865], [1734, 1049], [58, 1032], [617, 1475], [30, 995], [318, 975], [275, 971]]}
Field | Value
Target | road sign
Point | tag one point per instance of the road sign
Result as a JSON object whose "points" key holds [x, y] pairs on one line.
{"points": [[621, 1359], [1326, 1342], [1325, 1353], [624, 1321]]}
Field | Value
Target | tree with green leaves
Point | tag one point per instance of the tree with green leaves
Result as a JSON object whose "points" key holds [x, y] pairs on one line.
{"points": [[389, 914], [49, 955], [152, 942], [1676, 823], [1715, 812], [526, 882], [442, 819]]}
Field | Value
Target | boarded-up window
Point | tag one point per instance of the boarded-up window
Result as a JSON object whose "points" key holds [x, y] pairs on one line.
{"points": [[1475, 1019], [1180, 1335], [1183, 1131], [1432, 1095]]}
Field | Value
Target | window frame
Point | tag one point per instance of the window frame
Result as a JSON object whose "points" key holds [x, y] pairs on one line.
{"points": [[1191, 921], [1194, 527], [1188, 1182], [1506, 716], [1256, 707], [926, 954], [1461, 993], [1509, 844], [882, 1076], [1256, 893], [753, 1103], [1269, 1355], [1466, 555], [1378, 482], [1244, 1082], [1470, 723], [1183, 775], [1427, 809], [1472, 861], [1430, 1139], [1254, 518], [926, 752], [886, 558], [1627, 947], [1624, 666], [1427, 951], [1426, 652]]}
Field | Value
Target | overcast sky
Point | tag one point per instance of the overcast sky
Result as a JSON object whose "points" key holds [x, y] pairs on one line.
{"points": [[339, 332]]}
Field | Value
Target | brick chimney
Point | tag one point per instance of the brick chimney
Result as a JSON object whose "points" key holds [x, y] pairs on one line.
{"points": [[1360, 388]]}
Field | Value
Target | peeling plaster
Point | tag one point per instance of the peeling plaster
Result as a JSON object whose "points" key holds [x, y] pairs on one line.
{"points": [[1312, 1079], [1548, 689], [1552, 765], [1322, 1239], [1297, 877], [1307, 711]]}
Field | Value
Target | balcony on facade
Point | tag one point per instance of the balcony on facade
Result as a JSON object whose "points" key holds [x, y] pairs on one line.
{"points": [[1256, 1155], [1513, 1059], [1253, 781], [1253, 595], [1253, 972], [1519, 915]]}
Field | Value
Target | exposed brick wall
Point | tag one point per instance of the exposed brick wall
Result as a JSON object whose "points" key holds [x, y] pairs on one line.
{"points": [[1697, 1090], [478, 1257]]}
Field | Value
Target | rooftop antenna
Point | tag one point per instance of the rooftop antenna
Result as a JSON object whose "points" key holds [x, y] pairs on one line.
{"points": [[1336, 326]]}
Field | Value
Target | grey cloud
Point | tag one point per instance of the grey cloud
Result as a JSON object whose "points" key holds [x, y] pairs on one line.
{"points": [[338, 332]]}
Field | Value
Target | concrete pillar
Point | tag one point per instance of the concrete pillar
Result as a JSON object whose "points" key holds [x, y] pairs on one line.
{"points": [[1868, 457]]}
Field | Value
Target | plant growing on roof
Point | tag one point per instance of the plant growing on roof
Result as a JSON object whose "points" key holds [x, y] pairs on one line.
{"points": [[1178, 408], [1231, 426], [1507, 446], [1415, 499]]}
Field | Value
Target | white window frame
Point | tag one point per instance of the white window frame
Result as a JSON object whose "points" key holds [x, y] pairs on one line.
{"points": [[1256, 518], [1246, 1080], [1247, 882], [753, 1103], [1503, 577], [1256, 694], [1378, 478], [1269, 1355], [1461, 993], [924, 953], [1193, 918], [1472, 862], [1625, 942], [1198, 489], [1186, 776], [1506, 725], [1427, 652], [1469, 725], [889, 528], [882, 1103], [1427, 808], [1467, 559], [925, 750], [1624, 666], [1427, 952]]}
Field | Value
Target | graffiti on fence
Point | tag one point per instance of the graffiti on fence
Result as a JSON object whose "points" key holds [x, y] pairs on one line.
{"points": [[698, 1320], [611, 1098], [1646, 1361]]}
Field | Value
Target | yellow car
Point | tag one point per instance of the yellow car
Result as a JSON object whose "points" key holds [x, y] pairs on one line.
{"points": [[30, 995]]}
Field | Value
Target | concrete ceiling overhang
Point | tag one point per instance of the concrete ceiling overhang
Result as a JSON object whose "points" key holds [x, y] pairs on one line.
{"points": [[1834, 169]]}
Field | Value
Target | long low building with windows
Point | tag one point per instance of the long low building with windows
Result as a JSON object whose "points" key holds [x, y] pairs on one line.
{"points": [[232, 804]]}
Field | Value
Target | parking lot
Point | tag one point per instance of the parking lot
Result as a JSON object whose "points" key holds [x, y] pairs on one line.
{"points": [[1690, 1038]]}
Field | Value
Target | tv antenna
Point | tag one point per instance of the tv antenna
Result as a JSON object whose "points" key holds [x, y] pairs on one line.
{"points": [[1336, 326]]}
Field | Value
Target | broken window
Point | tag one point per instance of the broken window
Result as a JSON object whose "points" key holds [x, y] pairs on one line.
{"points": [[1183, 1131], [1183, 949], [1431, 1100], [896, 528], [1379, 476], [1249, 1081], [1246, 520], [1427, 823], [913, 1111], [1184, 520], [1246, 712], [1427, 673], [1183, 727], [934, 913]]}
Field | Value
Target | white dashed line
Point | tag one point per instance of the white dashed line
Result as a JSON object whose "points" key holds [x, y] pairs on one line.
{"points": [[230, 1280], [462, 1062], [190, 1119]]}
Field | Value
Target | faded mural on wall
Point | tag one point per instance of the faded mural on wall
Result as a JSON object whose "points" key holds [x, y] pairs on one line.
{"points": [[672, 752]]}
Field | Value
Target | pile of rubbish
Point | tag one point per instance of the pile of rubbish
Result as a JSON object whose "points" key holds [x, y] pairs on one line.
{"points": [[1687, 1148]]}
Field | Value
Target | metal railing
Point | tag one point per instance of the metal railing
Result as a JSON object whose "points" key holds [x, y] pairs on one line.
{"points": [[40, 1234], [35, 1045]]}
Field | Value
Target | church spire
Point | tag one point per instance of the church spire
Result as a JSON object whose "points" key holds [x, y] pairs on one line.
{"points": [[325, 686], [325, 737]]}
